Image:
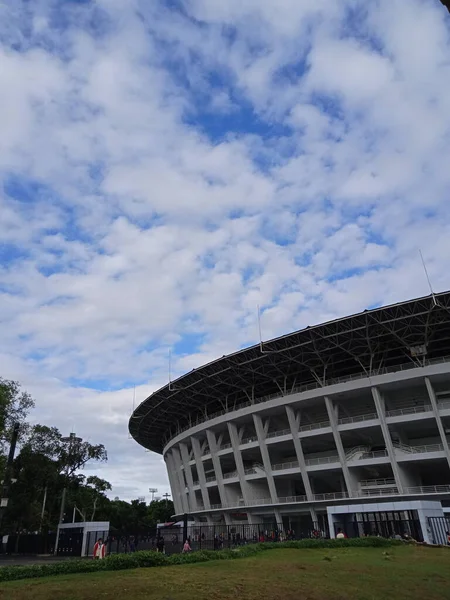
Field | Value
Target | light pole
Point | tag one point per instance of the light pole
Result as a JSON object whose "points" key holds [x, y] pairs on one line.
{"points": [[71, 440], [153, 491]]}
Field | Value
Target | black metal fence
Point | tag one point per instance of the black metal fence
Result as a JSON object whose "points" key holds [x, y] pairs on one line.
{"points": [[29, 543], [170, 540], [439, 529]]}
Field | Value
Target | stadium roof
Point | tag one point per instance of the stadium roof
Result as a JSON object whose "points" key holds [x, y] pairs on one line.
{"points": [[370, 342]]}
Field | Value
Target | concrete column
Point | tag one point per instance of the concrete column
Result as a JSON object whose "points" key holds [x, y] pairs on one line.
{"points": [[437, 416], [174, 485], [294, 425], [217, 466], [176, 462], [234, 438], [190, 480], [381, 412], [332, 415], [201, 472], [259, 428]]}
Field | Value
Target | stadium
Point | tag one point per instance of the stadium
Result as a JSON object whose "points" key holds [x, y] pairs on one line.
{"points": [[341, 425]]}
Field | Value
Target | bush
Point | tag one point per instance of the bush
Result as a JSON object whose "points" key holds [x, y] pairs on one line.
{"points": [[149, 558]]}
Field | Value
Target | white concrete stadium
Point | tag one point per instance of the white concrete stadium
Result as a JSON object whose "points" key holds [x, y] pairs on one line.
{"points": [[351, 416]]}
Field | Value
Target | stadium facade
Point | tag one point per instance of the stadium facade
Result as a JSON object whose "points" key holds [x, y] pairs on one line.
{"points": [[345, 420]]}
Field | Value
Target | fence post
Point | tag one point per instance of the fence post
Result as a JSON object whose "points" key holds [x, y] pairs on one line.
{"points": [[185, 528]]}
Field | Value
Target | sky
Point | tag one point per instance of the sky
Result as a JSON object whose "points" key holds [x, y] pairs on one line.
{"points": [[168, 166]]}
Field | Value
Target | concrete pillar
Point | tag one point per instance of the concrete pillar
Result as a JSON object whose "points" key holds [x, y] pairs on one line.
{"points": [[176, 462], [348, 478], [294, 426], [234, 438], [381, 412], [437, 416], [190, 480], [174, 485], [259, 428], [201, 471], [217, 467]]}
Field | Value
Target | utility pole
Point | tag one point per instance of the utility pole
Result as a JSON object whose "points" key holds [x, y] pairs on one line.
{"points": [[8, 472], [166, 496]]}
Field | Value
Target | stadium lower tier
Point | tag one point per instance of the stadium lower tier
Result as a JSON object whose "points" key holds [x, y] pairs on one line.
{"points": [[292, 458]]}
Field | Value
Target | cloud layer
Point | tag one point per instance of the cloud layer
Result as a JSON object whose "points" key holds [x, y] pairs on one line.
{"points": [[166, 167]]}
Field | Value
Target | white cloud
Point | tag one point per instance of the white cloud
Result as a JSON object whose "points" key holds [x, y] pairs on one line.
{"points": [[165, 173]]}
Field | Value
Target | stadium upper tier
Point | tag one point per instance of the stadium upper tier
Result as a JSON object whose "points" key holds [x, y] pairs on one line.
{"points": [[377, 341]]}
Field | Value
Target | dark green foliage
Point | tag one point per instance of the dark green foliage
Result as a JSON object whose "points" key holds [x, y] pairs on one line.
{"points": [[118, 562]]}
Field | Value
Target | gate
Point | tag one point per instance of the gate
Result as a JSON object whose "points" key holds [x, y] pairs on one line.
{"points": [[439, 528], [70, 542], [384, 524]]}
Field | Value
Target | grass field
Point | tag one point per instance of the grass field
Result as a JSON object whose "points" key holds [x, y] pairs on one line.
{"points": [[413, 573]]}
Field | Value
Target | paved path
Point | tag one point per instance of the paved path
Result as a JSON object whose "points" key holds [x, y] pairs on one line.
{"points": [[9, 560]]}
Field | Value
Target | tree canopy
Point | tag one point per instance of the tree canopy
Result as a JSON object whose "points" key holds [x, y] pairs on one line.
{"points": [[47, 462]]}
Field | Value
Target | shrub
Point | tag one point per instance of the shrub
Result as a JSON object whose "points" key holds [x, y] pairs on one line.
{"points": [[149, 558]]}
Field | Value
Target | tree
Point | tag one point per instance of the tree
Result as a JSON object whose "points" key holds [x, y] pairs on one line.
{"points": [[70, 454], [90, 496], [47, 464], [14, 408], [160, 511]]}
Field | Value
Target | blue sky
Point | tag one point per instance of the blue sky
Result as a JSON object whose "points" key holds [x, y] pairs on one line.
{"points": [[166, 167]]}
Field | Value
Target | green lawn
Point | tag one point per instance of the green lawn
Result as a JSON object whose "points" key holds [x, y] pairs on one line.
{"points": [[410, 573]]}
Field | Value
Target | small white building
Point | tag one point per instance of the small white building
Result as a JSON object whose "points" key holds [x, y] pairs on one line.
{"points": [[78, 539]]}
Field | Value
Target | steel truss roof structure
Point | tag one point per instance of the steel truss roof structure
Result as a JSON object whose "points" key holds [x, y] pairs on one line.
{"points": [[367, 343]]}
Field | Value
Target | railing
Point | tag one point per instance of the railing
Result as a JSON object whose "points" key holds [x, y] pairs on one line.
{"points": [[375, 454], [330, 496], [257, 501], [251, 471], [386, 491], [211, 478], [379, 481], [230, 475], [428, 489], [419, 449], [287, 465], [249, 440], [444, 404], [194, 483], [225, 446], [206, 451], [273, 434], [393, 491], [412, 410], [323, 460], [357, 418], [292, 499], [313, 426], [350, 454], [306, 387]]}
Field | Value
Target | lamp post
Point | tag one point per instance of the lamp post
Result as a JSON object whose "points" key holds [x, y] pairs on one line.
{"points": [[71, 440]]}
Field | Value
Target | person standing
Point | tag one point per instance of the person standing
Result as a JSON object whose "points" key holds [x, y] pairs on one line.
{"points": [[186, 547], [99, 550], [160, 544]]}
